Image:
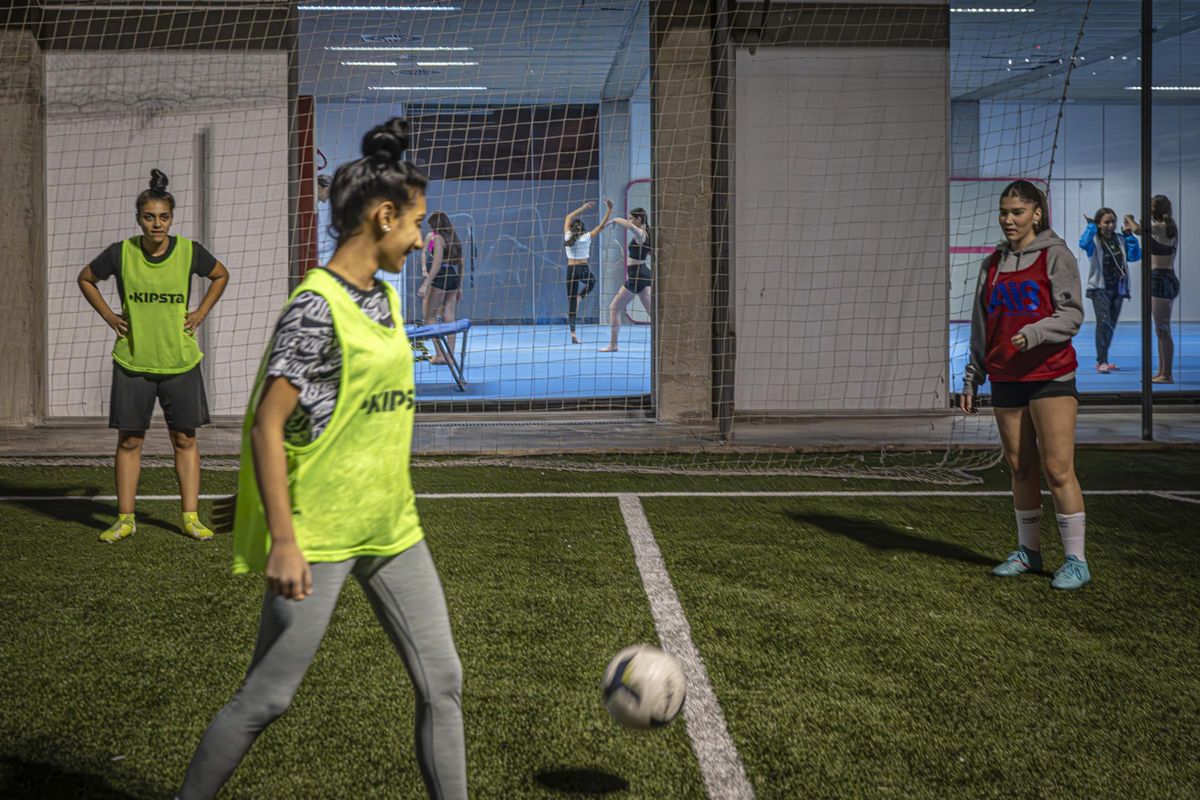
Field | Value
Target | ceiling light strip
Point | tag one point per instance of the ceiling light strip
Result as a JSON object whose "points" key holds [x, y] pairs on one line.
{"points": [[398, 49], [379, 8], [428, 88]]}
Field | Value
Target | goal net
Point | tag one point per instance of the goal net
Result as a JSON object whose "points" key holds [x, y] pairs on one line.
{"points": [[818, 183]]}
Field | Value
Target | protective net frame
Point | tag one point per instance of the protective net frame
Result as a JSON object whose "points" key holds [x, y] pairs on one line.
{"points": [[802, 167]]}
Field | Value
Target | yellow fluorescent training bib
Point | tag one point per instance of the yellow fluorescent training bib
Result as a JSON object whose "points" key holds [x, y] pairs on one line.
{"points": [[154, 301], [350, 489]]}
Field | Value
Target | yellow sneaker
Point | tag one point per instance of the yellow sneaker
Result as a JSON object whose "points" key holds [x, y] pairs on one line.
{"points": [[193, 527], [125, 526]]}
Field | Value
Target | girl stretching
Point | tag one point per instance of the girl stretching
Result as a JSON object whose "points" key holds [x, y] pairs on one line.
{"points": [[637, 273], [1026, 310], [1164, 283], [578, 243], [324, 490]]}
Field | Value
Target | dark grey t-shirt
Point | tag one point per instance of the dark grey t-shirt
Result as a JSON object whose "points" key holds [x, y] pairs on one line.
{"points": [[305, 352], [108, 263]]}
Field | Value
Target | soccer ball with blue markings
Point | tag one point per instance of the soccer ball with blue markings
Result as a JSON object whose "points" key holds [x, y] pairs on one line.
{"points": [[643, 687]]}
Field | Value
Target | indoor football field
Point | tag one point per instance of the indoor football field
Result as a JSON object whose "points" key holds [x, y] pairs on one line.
{"points": [[841, 638]]}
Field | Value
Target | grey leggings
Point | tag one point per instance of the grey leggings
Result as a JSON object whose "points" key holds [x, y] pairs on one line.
{"points": [[406, 595]]}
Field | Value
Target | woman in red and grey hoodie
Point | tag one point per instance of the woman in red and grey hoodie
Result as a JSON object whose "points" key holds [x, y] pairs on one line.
{"points": [[1027, 308]]}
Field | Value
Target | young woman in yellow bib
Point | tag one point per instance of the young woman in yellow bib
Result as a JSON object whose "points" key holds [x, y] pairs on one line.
{"points": [[324, 490], [156, 356]]}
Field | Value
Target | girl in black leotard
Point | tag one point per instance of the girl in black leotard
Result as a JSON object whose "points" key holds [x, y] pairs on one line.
{"points": [[441, 290], [577, 241], [1164, 283], [637, 273]]}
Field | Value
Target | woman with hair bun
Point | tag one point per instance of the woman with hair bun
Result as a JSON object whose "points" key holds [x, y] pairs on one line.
{"points": [[155, 356], [324, 490]]}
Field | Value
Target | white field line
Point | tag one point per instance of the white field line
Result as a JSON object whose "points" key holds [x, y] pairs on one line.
{"points": [[1182, 495], [721, 767]]}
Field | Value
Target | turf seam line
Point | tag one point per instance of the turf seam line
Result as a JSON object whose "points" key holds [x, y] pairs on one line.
{"points": [[1179, 496], [720, 765]]}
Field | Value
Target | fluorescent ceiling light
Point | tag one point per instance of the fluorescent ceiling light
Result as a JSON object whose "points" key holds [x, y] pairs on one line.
{"points": [[447, 63], [214, 5], [991, 11], [398, 49], [379, 8], [370, 64], [1165, 88], [428, 88]]}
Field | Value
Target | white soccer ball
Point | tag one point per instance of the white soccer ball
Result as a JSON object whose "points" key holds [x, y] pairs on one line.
{"points": [[643, 687]]}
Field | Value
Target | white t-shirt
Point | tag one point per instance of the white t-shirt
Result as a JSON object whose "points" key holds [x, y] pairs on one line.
{"points": [[582, 247]]}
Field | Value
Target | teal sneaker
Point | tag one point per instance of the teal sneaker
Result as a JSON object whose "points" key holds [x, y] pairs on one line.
{"points": [[1019, 562], [1071, 575]]}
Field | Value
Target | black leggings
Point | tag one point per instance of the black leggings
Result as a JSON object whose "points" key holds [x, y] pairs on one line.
{"points": [[580, 282]]}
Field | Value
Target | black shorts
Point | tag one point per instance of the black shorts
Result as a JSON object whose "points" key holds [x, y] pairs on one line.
{"points": [[447, 279], [1164, 284], [639, 278], [131, 403], [1017, 394]]}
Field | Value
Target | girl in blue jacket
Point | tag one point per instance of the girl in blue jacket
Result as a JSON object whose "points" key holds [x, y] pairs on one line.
{"points": [[1109, 257]]}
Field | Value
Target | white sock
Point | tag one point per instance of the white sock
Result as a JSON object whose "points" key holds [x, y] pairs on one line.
{"points": [[1072, 527], [1029, 528]]}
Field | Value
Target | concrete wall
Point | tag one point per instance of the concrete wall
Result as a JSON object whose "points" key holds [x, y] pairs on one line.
{"points": [[681, 37], [841, 236], [22, 217], [111, 118]]}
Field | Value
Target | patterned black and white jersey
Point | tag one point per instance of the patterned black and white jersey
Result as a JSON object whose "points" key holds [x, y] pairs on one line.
{"points": [[305, 352]]}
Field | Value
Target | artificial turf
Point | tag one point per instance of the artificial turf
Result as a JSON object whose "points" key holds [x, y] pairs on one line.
{"points": [[857, 645]]}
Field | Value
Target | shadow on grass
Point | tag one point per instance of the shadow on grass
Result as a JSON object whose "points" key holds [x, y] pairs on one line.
{"points": [[88, 513], [35, 780], [577, 780], [880, 536]]}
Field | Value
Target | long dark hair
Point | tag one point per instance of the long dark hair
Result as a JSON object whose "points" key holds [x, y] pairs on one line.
{"points": [[157, 190], [381, 174], [440, 224], [1030, 193], [1160, 209], [641, 212], [577, 229]]}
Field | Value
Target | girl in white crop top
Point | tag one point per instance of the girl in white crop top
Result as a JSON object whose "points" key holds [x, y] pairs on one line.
{"points": [[582, 247], [577, 241]]}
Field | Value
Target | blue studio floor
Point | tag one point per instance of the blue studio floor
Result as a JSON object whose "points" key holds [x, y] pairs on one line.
{"points": [[1125, 351], [524, 362], [538, 362]]}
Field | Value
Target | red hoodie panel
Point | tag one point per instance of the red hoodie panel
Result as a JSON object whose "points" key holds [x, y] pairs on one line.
{"points": [[1014, 300]]}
